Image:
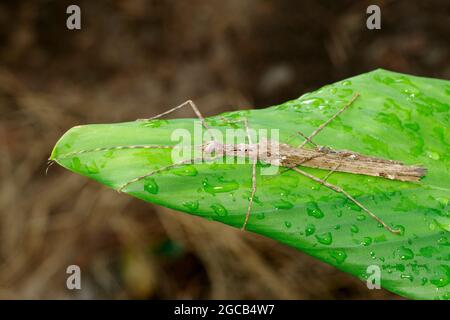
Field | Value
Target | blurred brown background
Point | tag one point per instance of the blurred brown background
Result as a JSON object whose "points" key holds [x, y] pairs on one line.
{"points": [[136, 58]]}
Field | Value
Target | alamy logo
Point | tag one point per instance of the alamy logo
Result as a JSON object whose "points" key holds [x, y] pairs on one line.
{"points": [[233, 146], [73, 281], [374, 277], [73, 21], [374, 20]]}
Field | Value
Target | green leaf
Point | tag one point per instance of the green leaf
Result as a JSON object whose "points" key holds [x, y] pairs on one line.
{"points": [[397, 116]]}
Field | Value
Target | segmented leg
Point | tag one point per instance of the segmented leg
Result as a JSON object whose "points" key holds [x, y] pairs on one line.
{"points": [[332, 171], [254, 158], [323, 125], [254, 161], [345, 193], [181, 163], [304, 136], [186, 103]]}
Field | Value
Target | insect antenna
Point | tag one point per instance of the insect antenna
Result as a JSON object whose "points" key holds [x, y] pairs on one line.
{"points": [[75, 153], [49, 164]]}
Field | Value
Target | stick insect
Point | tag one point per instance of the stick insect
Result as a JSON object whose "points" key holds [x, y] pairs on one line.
{"points": [[288, 157]]}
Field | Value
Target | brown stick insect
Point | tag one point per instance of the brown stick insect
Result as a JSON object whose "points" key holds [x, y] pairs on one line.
{"points": [[288, 157]]}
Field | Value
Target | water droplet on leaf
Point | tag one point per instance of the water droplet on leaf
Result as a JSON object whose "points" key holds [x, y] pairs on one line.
{"points": [[219, 210], [151, 186], [220, 186], [339, 255], [313, 210], [310, 229], [187, 170], [283, 204], [366, 241], [192, 206], [325, 238], [405, 253]]}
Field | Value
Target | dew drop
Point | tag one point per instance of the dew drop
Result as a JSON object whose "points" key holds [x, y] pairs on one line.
{"points": [[361, 217], [92, 167], [313, 210], [443, 202], [443, 241], [347, 83], [76, 163], [260, 215], [220, 186], [219, 210], [315, 102], [384, 79], [192, 206], [427, 252], [405, 253], [247, 195], [432, 225], [432, 155], [366, 241], [188, 170], [151, 186], [381, 238], [401, 228], [325, 238], [310, 229], [407, 276], [288, 224], [343, 93], [283, 204], [339, 255], [442, 276]]}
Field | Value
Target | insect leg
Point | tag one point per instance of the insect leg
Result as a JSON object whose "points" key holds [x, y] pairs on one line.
{"points": [[254, 161], [173, 165], [332, 171], [323, 125], [250, 203], [304, 136], [186, 103], [345, 193]]}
